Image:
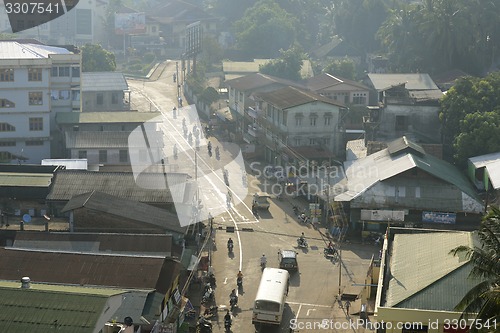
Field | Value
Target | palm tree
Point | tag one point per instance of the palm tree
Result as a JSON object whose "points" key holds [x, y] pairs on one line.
{"points": [[484, 298]]}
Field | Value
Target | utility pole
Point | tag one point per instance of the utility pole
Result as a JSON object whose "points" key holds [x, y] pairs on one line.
{"points": [[340, 271], [177, 78]]}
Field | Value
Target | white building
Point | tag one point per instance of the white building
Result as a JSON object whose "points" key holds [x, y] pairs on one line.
{"points": [[36, 82]]}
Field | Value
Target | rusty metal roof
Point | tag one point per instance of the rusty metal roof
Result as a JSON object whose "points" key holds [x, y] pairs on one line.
{"points": [[69, 183], [288, 97], [89, 269]]}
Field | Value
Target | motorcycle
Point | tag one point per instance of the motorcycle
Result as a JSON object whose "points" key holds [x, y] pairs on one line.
{"points": [[239, 282], [233, 301], [227, 324], [208, 295], [262, 265], [211, 312], [230, 247], [302, 243], [203, 326]]}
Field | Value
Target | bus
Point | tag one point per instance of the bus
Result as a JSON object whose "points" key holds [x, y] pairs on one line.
{"points": [[270, 300]]}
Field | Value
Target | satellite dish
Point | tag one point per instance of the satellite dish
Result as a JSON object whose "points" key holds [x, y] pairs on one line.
{"points": [[26, 218]]}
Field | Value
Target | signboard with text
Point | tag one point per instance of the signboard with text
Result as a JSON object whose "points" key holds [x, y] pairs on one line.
{"points": [[437, 217]]}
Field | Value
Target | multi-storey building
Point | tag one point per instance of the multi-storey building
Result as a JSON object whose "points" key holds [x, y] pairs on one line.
{"points": [[36, 82]]}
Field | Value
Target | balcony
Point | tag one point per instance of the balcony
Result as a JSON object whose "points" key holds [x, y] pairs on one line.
{"points": [[253, 113], [253, 130]]}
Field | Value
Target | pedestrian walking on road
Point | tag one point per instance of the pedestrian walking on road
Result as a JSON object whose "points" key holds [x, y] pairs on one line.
{"points": [[347, 306]]}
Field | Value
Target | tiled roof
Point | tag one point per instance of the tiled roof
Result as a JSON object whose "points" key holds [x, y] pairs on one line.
{"points": [[75, 118], [288, 97], [103, 81], [47, 308], [69, 183], [125, 208], [89, 269]]}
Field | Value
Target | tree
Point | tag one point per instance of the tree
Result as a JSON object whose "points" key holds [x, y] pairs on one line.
{"points": [[211, 52], [471, 105], [344, 68], [97, 59], [287, 66], [265, 29], [484, 298]]}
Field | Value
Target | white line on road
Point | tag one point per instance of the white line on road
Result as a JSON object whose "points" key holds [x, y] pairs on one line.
{"points": [[307, 313], [298, 311], [308, 304]]}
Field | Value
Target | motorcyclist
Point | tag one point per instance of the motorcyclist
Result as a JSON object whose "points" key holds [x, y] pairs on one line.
{"points": [[302, 239], [239, 279], [230, 243], [211, 280], [239, 275], [233, 298], [263, 260], [227, 319]]}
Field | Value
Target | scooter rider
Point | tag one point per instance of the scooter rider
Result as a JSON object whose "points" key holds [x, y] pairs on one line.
{"points": [[263, 261], [239, 279], [227, 319], [302, 239], [230, 243]]}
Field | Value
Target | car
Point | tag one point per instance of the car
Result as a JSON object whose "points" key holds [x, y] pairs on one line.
{"points": [[288, 260], [260, 200]]}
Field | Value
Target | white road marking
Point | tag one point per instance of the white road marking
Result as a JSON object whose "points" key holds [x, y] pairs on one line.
{"points": [[307, 313], [225, 281], [298, 311], [308, 304]]}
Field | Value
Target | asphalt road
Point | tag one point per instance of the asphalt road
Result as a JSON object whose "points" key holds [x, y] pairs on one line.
{"points": [[311, 303]]}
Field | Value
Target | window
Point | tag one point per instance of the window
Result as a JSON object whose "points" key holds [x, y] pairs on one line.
{"points": [[75, 95], [82, 154], [298, 120], [103, 156], [7, 75], [100, 99], [328, 120], [401, 123], [64, 94], [326, 141], [312, 141], [114, 98], [34, 74], [34, 143], [5, 103], [75, 71], [101, 128], [35, 98], [5, 127], [312, 121], [54, 71], [36, 124], [297, 142], [123, 156], [359, 98], [64, 71], [7, 143]]}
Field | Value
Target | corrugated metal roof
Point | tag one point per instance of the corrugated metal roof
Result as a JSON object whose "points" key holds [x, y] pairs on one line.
{"points": [[403, 143], [483, 160], [125, 208], [419, 260], [366, 172], [41, 310], [154, 244], [258, 80], [413, 81], [92, 269], [69, 164], [69, 183], [25, 179], [330, 82], [100, 140], [16, 50], [494, 174], [288, 97], [103, 81], [75, 118]]}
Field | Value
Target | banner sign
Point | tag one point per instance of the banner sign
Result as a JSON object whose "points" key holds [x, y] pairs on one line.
{"points": [[436, 217]]}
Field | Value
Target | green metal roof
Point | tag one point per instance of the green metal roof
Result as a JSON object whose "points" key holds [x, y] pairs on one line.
{"points": [[104, 117], [25, 179], [44, 308]]}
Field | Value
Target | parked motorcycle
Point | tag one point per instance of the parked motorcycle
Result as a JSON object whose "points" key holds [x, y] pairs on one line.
{"points": [[211, 312], [203, 325], [208, 295]]}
